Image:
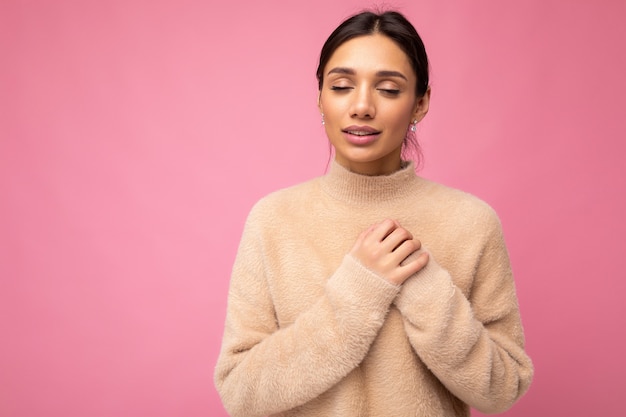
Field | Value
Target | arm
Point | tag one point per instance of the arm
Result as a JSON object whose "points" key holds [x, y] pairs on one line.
{"points": [[265, 369], [475, 347]]}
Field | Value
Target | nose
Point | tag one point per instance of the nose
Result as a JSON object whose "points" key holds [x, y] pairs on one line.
{"points": [[363, 104]]}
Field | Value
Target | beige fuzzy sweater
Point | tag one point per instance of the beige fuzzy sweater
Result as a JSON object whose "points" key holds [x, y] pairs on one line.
{"points": [[311, 332]]}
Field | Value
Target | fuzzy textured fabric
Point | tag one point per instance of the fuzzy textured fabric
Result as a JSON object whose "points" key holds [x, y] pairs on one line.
{"points": [[311, 332]]}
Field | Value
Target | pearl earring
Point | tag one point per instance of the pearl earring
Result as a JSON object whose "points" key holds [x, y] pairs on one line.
{"points": [[414, 126], [323, 122]]}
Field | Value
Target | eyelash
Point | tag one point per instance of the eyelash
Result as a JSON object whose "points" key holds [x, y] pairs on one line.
{"points": [[384, 90]]}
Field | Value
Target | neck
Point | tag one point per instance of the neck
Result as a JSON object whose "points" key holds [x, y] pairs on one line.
{"points": [[384, 166]]}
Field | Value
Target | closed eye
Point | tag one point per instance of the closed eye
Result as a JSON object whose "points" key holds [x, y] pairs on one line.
{"points": [[337, 88], [389, 91]]}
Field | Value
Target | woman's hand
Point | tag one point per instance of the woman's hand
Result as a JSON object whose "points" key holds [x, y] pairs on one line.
{"points": [[384, 246]]}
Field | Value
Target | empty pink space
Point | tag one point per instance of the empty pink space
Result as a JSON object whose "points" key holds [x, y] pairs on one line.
{"points": [[135, 137]]}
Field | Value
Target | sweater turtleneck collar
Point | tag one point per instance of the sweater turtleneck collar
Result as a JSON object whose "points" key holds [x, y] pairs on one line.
{"points": [[348, 186]]}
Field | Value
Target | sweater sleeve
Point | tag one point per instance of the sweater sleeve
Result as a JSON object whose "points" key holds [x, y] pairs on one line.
{"points": [[264, 368], [474, 346]]}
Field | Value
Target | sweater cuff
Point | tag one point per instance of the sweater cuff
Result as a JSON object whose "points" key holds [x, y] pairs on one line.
{"points": [[360, 287], [432, 284]]}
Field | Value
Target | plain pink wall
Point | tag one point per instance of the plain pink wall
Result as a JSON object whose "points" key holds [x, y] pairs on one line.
{"points": [[136, 135]]}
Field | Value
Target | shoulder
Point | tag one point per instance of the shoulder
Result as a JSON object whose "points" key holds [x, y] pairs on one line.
{"points": [[284, 202], [458, 208]]}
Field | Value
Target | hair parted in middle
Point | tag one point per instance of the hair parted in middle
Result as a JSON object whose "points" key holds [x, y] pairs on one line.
{"points": [[391, 24]]}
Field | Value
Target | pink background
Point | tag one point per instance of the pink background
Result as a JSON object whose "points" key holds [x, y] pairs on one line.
{"points": [[136, 135]]}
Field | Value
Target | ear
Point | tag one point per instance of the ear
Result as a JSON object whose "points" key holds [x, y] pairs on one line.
{"points": [[421, 107], [319, 101]]}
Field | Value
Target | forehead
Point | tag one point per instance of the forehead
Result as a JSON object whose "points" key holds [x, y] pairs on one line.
{"points": [[370, 53]]}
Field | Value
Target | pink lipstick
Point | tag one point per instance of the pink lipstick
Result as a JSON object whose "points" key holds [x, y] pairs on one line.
{"points": [[361, 135]]}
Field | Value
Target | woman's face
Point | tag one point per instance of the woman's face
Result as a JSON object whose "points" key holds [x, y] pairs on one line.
{"points": [[368, 101]]}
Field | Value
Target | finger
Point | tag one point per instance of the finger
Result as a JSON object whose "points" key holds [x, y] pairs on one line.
{"points": [[404, 272], [416, 264], [394, 239], [383, 229], [361, 239], [405, 249], [364, 234]]}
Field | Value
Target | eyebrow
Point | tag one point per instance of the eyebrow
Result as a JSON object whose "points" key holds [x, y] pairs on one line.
{"points": [[382, 73]]}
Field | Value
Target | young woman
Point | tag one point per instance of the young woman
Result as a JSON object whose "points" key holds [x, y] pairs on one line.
{"points": [[371, 291]]}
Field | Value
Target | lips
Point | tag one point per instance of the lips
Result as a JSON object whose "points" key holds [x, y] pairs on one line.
{"points": [[361, 135], [361, 130]]}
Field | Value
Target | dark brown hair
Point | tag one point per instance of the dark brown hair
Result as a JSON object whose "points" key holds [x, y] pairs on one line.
{"points": [[391, 24], [397, 28]]}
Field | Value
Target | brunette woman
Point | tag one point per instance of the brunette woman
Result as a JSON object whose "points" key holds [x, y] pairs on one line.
{"points": [[371, 291]]}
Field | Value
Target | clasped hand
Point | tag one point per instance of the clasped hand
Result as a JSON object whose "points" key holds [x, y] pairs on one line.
{"points": [[384, 247]]}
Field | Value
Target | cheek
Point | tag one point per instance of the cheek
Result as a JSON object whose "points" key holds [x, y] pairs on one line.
{"points": [[332, 109], [400, 116]]}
